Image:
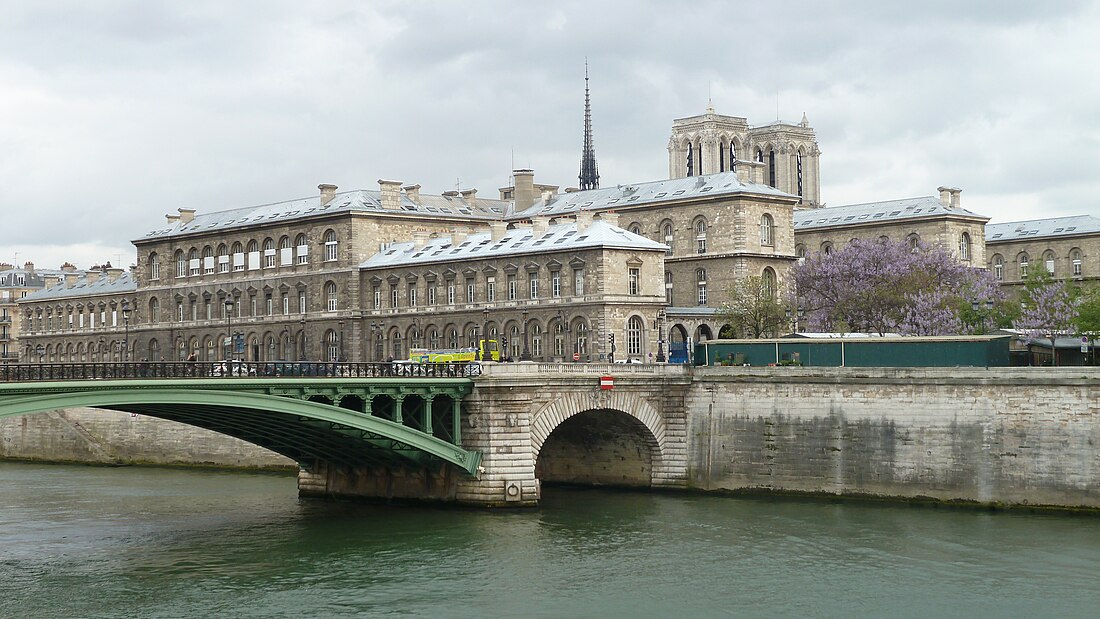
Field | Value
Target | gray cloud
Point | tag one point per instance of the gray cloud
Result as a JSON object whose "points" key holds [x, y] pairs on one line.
{"points": [[118, 112]]}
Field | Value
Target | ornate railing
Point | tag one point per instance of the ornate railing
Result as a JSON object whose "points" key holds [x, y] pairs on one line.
{"points": [[21, 372]]}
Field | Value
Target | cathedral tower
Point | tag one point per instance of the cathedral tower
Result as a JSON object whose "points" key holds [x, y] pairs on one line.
{"points": [[590, 175]]}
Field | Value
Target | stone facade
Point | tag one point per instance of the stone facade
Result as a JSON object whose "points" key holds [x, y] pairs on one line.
{"points": [[1066, 247], [15, 284]]}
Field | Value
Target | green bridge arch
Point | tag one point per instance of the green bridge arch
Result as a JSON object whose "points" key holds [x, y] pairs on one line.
{"points": [[274, 414]]}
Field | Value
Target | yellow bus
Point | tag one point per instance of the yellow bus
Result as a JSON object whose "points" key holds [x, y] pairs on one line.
{"points": [[489, 352]]}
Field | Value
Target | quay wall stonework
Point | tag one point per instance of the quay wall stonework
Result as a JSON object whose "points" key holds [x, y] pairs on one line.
{"points": [[1011, 436], [96, 436]]}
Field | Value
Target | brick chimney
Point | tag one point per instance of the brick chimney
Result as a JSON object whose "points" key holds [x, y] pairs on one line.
{"points": [[186, 215], [469, 195], [391, 194], [413, 192], [497, 230], [28, 266], [525, 188], [584, 220], [113, 273], [328, 192]]}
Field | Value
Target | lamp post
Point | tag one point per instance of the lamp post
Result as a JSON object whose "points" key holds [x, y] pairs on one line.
{"points": [[376, 330], [41, 350], [302, 353], [977, 307], [126, 330], [661, 336], [485, 333], [477, 342], [340, 357], [229, 303], [794, 318], [526, 355], [286, 342]]}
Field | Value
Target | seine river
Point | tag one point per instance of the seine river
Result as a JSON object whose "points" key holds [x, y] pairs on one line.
{"points": [[149, 543]]}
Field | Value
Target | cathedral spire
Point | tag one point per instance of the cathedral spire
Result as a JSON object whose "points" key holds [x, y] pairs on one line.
{"points": [[590, 175]]}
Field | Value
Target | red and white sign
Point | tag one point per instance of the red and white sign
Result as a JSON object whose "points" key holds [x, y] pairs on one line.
{"points": [[576, 356], [607, 383]]}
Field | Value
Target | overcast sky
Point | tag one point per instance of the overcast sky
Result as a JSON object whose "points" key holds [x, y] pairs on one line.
{"points": [[114, 113]]}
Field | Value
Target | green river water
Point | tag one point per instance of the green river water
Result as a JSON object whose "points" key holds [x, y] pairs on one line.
{"points": [[157, 543]]}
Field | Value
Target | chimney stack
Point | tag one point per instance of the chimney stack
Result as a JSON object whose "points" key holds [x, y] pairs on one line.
{"points": [[945, 195], [328, 192], [955, 202], [71, 278], [611, 217], [113, 273], [525, 188], [92, 276], [584, 220], [172, 219], [749, 172], [420, 238], [391, 194], [469, 195], [539, 226], [413, 192], [187, 215], [497, 230], [458, 237], [28, 266]]}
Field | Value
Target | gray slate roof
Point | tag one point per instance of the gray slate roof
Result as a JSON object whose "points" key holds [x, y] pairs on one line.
{"points": [[875, 212], [515, 242], [31, 279], [82, 288], [1041, 228], [655, 192], [360, 200]]}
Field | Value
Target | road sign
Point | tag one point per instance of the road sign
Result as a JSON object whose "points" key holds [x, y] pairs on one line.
{"points": [[576, 356], [1084, 343], [607, 383]]}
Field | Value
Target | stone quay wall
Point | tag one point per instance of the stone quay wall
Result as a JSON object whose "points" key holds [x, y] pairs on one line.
{"points": [[95, 436], [1008, 436]]}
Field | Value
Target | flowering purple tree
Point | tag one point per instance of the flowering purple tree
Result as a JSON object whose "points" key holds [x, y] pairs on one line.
{"points": [[1048, 307], [884, 286]]}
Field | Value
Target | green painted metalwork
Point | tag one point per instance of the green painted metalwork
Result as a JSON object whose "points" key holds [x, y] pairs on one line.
{"points": [[280, 414]]}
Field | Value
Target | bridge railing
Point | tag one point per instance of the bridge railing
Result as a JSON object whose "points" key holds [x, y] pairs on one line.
{"points": [[24, 372]]}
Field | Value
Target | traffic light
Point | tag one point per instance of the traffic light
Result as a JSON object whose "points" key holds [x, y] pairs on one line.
{"points": [[611, 338], [504, 341]]}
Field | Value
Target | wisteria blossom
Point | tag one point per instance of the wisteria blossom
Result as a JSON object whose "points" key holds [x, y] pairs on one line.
{"points": [[889, 286]]}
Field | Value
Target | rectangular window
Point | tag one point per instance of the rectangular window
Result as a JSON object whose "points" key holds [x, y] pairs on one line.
{"points": [[412, 295], [286, 256], [702, 293], [223, 263], [253, 260], [555, 284], [450, 292], [470, 290], [393, 296], [377, 297], [193, 266], [635, 276], [194, 311], [512, 292], [286, 305], [1076, 266], [269, 258], [252, 306], [155, 270], [179, 312], [208, 264], [303, 254], [238, 261], [301, 302], [269, 305], [209, 309], [533, 284], [431, 293], [578, 282], [330, 251], [491, 289]]}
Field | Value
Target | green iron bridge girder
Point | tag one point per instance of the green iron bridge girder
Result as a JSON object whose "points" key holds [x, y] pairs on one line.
{"points": [[284, 414]]}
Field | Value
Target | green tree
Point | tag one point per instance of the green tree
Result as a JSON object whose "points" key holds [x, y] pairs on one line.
{"points": [[752, 308]]}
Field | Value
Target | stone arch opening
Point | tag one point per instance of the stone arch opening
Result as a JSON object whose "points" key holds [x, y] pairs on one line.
{"points": [[600, 447]]}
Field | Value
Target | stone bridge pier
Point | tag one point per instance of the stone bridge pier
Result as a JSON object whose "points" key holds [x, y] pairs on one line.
{"points": [[536, 423]]}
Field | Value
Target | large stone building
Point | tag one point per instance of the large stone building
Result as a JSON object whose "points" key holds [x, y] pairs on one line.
{"points": [[15, 284], [1067, 247]]}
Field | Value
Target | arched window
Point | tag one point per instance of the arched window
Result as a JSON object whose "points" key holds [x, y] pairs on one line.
{"points": [[635, 228], [700, 235], [666, 232], [800, 251], [452, 340], [286, 252], [1048, 261], [1023, 261], [999, 268], [301, 249], [701, 286], [181, 264], [154, 266], [668, 287], [395, 346], [913, 240], [733, 156], [433, 338], [269, 253], [581, 341], [253, 254], [767, 230], [330, 296], [536, 340], [331, 252], [207, 259], [1075, 261], [154, 310], [964, 247], [223, 258], [194, 265], [332, 344], [798, 170], [634, 336], [827, 248], [769, 282], [238, 256]]}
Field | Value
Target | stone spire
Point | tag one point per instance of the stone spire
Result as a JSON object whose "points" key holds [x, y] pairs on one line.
{"points": [[590, 175]]}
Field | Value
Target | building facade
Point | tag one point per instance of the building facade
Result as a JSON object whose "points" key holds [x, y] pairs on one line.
{"points": [[15, 284], [1068, 248]]}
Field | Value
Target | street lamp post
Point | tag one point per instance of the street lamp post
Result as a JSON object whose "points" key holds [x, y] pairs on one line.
{"points": [[41, 350], [229, 303], [376, 330], [485, 333], [977, 306], [340, 357], [477, 342], [126, 330], [661, 336], [526, 355], [302, 324], [794, 318]]}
